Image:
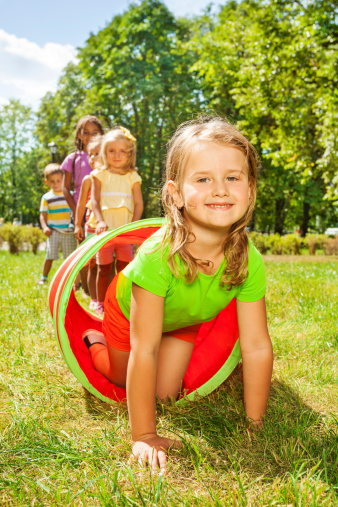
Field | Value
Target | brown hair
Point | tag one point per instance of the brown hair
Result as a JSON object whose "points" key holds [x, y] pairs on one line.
{"points": [[124, 135], [236, 246], [80, 126], [52, 169]]}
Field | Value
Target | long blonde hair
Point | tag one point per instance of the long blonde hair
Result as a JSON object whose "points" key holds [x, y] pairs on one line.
{"points": [[236, 246], [119, 133]]}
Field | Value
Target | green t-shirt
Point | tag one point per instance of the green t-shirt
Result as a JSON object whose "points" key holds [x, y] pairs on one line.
{"points": [[186, 304]]}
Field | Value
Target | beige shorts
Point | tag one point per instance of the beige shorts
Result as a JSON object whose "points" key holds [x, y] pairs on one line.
{"points": [[57, 239]]}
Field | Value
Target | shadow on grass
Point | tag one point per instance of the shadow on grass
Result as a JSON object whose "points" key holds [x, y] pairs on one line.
{"points": [[100, 409], [295, 438]]}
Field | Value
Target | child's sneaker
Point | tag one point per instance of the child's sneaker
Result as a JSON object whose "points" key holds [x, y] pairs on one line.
{"points": [[93, 304], [43, 280], [99, 308]]}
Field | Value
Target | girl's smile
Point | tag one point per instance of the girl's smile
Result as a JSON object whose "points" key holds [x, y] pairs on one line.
{"points": [[117, 154], [214, 190], [90, 130]]}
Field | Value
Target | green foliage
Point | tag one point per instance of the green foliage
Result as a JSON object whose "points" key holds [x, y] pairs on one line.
{"points": [[14, 235], [135, 72], [277, 244], [271, 67], [261, 242], [20, 169], [34, 236], [312, 242], [293, 244], [330, 246], [17, 235], [57, 117]]}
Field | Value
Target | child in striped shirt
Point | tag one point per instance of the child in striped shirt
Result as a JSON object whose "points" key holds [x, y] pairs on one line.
{"points": [[55, 216]]}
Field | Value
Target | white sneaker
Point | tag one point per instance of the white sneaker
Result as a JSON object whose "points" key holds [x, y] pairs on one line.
{"points": [[92, 305], [99, 309]]}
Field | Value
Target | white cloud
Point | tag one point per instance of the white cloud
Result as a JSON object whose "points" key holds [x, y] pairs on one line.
{"points": [[3, 101], [28, 70]]}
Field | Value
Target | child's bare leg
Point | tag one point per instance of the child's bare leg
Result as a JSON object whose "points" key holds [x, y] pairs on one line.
{"points": [[103, 272], [91, 279], [46, 266], [118, 362], [83, 275], [120, 265], [173, 360], [112, 273], [99, 355], [112, 363]]}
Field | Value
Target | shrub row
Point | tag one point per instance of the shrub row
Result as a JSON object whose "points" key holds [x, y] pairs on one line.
{"points": [[19, 235], [292, 244]]}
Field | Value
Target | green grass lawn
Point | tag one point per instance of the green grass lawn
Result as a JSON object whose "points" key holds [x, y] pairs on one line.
{"points": [[62, 446]]}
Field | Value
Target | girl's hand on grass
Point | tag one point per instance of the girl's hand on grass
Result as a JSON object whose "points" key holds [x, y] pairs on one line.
{"points": [[152, 450], [78, 233], [101, 227]]}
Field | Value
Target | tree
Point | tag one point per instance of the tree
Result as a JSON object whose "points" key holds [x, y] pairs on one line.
{"points": [[135, 73], [269, 64], [57, 115], [16, 140]]}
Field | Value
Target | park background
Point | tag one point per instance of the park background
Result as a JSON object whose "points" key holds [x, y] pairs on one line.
{"points": [[271, 67]]}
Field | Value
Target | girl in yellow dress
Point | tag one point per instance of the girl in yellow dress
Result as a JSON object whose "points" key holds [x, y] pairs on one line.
{"points": [[116, 200]]}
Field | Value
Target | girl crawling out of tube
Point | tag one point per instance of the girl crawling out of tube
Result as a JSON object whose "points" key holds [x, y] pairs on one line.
{"points": [[184, 275]]}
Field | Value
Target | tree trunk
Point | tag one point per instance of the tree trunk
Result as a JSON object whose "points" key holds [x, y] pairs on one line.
{"points": [[305, 220], [14, 186], [251, 224], [279, 215]]}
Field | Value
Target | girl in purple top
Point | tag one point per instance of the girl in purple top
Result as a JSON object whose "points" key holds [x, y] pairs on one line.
{"points": [[76, 165]]}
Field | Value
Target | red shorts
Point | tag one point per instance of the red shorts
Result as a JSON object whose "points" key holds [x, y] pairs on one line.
{"points": [[116, 327]]}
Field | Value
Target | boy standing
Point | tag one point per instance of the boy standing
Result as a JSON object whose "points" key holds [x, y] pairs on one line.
{"points": [[55, 216]]}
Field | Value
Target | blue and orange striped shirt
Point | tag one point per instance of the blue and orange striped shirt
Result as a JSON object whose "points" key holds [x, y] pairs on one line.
{"points": [[57, 209]]}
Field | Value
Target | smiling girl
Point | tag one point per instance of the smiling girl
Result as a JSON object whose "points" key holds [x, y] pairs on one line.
{"points": [[116, 200], [184, 275]]}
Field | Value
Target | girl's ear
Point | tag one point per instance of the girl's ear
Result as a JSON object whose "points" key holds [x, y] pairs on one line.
{"points": [[175, 193]]}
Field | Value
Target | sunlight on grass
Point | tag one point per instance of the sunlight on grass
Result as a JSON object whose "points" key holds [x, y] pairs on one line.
{"points": [[62, 446]]}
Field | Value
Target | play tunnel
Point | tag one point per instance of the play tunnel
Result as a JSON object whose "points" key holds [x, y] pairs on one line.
{"points": [[216, 351]]}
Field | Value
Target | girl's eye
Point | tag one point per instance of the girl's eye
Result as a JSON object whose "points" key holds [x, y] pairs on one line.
{"points": [[202, 180], [232, 178]]}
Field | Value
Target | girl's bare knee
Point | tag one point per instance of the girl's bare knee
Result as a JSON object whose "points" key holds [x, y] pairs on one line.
{"points": [[119, 363], [166, 395]]}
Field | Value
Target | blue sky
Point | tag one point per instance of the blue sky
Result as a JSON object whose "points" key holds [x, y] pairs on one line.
{"points": [[38, 38]]}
